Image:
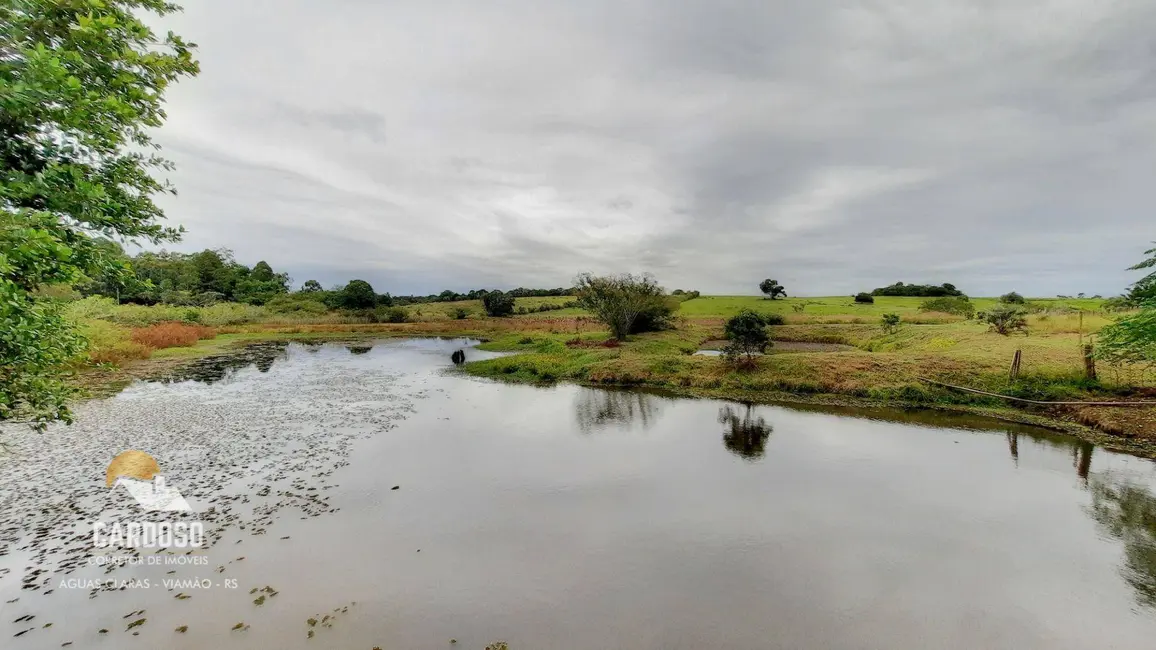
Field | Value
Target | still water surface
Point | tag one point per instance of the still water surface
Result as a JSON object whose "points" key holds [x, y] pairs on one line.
{"points": [[568, 517]]}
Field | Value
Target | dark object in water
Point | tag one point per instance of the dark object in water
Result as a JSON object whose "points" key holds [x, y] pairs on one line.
{"points": [[458, 357]]}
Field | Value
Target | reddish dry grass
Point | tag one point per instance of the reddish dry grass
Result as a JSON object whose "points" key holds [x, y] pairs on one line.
{"points": [[171, 335]]}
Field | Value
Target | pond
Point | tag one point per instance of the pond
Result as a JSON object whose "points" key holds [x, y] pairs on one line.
{"points": [[370, 495]]}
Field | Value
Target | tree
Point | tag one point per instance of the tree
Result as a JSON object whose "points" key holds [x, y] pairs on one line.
{"points": [[1005, 319], [1144, 289], [81, 89], [311, 286], [864, 298], [358, 294], [772, 289], [622, 301], [890, 323], [747, 333], [262, 272], [498, 303], [1131, 339], [1013, 298]]}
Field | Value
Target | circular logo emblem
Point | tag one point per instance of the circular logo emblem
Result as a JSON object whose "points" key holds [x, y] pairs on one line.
{"points": [[133, 464]]}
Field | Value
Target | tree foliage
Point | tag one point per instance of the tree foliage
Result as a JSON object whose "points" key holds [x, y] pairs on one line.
{"points": [[958, 305], [772, 289], [747, 333], [625, 303], [864, 298], [1012, 298], [358, 294], [1131, 339], [81, 88], [924, 290], [1144, 289], [498, 303], [1005, 319], [890, 323]]}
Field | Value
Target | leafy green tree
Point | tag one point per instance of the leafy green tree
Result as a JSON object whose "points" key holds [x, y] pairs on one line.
{"points": [[747, 333], [498, 303], [890, 323], [1131, 339], [1013, 298], [1144, 289], [358, 294], [772, 289], [864, 298], [262, 272], [311, 286], [81, 89], [621, 301]]}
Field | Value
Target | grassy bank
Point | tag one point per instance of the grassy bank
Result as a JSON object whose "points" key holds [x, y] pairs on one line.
{"points": [[568, 345]]}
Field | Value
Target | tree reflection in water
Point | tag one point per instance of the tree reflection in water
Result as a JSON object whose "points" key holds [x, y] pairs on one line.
{"points": [[595, 408], [1127, 511], [746, 435]]}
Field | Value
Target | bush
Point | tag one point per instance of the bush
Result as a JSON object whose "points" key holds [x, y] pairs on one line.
{"points": [[297, 303], [108, 343], [231, 313], [1118, 303], [773, 319], [958, 305], [890, 323], [625, 303], [747, 333], [392, 315], [170, 335], [864, 298], [1131, 339], [1005, 319], [1012, 298], [498, 303], [461, 313]]}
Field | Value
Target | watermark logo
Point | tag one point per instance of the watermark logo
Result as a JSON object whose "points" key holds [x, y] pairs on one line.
{"points": [[139, 474]]}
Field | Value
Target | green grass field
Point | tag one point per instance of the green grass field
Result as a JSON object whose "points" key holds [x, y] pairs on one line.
{"points": [[569, 344], [846, 307]]}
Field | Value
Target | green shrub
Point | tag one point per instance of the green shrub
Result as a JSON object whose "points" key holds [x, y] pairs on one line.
{"points": [[890, 323], [958, 305], [296, 303], [231, 313], [864, 298], [392, 315], [461, 313], [773, 319], [626, 303], [747, 333], [1012, 298], [499, 304], [1005, 319]]}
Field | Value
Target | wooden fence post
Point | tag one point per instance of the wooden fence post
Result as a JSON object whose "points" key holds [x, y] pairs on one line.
{"points": [[1089, 362], [1014, 373]]}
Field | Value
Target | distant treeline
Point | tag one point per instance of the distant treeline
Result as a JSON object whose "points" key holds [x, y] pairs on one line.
{"points": [[477, 294], [202, 278], [923, 290], [212, 276]]}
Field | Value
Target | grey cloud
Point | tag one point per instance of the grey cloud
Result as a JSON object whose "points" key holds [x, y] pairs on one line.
{"points": [[834, 145]]}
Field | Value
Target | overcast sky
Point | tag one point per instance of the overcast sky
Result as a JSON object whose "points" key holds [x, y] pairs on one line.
{"points": [[832, 145]]}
